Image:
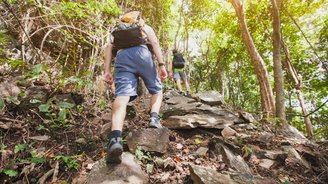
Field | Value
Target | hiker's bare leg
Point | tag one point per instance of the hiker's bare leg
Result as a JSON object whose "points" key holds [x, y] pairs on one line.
{"points": [[179, 84], [119, 111], [155, 102], [187, 85]]}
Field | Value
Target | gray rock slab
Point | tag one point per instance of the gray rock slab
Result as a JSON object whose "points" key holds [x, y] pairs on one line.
{"points": [[126, 172], [236, 162], [197, 120], [149, 139], [249, 118], [265, 137], [266, 163], [211, 97], [228, 132], [294, 156], [205, 175]]}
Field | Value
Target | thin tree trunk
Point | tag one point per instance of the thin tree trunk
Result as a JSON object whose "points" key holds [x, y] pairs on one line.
{"points": [[298, 82], [307, 121], [278, 76], [261, 72]]}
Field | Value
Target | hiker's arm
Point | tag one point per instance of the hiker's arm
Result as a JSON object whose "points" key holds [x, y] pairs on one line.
{"points": [[158, 53], [155, 44], [107, 65]]}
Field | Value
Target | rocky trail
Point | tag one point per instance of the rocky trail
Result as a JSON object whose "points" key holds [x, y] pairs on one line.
{"points": [[204, 141]]}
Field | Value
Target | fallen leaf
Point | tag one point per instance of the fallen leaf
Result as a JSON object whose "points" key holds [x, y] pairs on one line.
{"points": [[40, 138], [198, 141], [177, 158], [103, 154]]}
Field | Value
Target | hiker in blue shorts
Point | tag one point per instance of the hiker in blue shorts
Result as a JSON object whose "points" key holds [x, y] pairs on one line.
{"points": [[133, 60]]}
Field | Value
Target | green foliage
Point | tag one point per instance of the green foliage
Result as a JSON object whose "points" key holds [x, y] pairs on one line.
{"points": [[57, 112], [2, 147], [69, 161], [19, 148], [85, 10], [247, 151], [23, 153], [78, 82], [13, 63], [103, 104], [38, 71], [142, 155], [10, 173], [2, 103]]}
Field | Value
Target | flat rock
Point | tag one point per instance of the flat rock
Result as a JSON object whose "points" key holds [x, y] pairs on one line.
{"points": [[216, 143], [149, 139], [276, 155], [197, 121], [211, 97], [265, 137], [228, 132], [205, 175], [126, 172], [266, 163], [294, 156], [295, 133], [246, 178], [180, 105], [201, 151], [247, 117], [236, 162]]}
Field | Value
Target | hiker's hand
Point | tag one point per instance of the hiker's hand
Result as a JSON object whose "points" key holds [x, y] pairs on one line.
{"points": [[162, 73], [108, 78]]}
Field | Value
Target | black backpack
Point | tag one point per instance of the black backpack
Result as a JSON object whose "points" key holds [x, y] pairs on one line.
{"points": [[178, 61], [126, 35]]}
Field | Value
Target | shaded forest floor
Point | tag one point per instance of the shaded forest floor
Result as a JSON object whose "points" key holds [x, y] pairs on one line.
{"points": [[36, 149]]}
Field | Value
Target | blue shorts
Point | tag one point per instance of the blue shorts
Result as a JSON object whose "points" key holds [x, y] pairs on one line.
{"points": [[132, 63]]}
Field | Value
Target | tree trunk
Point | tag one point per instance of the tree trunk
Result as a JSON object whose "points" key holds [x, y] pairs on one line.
{"points": [[298, 82], [277, 69], [307, 121], [261, 72]]}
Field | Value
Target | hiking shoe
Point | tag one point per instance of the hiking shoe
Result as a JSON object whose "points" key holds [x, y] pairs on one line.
{"points": [[188, 94], [154, 123], [181, 93], [114, 151]]}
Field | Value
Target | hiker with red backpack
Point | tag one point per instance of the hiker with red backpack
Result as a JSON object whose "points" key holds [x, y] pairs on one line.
{"points": [[132, 46], [178, 73]]}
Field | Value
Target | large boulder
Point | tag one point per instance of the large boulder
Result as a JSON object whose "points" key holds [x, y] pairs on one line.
{"points": [[182, 112], [148, 139], [129, 171]]}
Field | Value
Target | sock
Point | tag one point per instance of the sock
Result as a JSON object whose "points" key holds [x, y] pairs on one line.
{"points": [[153, 115], [188, 92], [115, 133]]}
